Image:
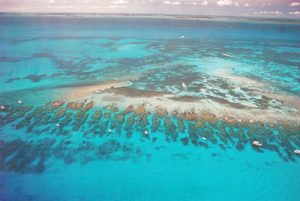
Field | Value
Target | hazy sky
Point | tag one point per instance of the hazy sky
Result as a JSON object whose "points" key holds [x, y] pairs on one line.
{"points": [[275, 8]]}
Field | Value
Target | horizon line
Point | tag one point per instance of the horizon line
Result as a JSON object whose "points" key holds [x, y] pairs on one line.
{"points": [[181, 16]]}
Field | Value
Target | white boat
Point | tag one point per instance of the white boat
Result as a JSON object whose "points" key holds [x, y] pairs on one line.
{"points": [[257, 143], [20, 101], [146, 132], [184, 86], [182, 37], [2, 107], [297, 151], [58, 125]]}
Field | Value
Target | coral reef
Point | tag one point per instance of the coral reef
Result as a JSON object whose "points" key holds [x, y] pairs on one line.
{"points": [[109, 124]]}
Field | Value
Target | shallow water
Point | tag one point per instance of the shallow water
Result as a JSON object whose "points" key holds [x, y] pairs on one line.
{"points": [[103, 152]]}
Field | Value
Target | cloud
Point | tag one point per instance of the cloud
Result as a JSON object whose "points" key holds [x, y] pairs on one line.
{"points": [[120, 2], [295, 13], [295, 4], [204, 3], [268, 12], [289, 8], [266, 4], [227, 3], [224, 3], [193, 3], [117, 6], [176, 3]]}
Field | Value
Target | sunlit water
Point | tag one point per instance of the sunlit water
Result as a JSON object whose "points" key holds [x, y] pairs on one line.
{"points": [[104, 157]]}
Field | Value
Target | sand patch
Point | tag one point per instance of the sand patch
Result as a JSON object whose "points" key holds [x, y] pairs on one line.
{"points": [[201, 107], [238, 80], [85, 91], [185, 98], [291, 100], [135, 93], [119, 93]]}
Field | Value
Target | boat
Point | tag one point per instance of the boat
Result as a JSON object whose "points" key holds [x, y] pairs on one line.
{"points": [[257, 143], [297, 151], [184, 86]]}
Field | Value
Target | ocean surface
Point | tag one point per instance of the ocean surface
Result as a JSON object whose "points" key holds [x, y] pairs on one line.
{"points": [[64, 148]]}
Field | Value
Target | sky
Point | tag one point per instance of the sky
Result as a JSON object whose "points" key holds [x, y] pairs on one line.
{"points": [[258, 8]]}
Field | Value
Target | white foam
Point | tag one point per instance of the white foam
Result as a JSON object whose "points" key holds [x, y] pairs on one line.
{"points": [[228, 55]]}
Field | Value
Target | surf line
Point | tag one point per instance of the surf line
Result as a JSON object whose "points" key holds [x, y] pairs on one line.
{"points": [[227, 55]]}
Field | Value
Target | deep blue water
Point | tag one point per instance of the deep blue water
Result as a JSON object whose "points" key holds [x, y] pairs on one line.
{"points": [[86, 158]]}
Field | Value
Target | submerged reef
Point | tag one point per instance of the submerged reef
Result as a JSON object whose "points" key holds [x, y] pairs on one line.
{"points": [[82, 132]]}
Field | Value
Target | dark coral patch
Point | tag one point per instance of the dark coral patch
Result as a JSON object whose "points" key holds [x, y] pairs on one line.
{"points": [[35, 78]]}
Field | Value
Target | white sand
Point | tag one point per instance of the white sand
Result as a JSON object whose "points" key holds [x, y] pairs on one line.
{"points": [[102, 97]]}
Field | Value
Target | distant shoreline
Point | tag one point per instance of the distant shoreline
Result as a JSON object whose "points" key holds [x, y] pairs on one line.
{"points": [[157, 16]]}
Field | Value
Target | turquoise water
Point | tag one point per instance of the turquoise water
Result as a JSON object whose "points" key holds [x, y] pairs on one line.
{"points": [[109, 157]]}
